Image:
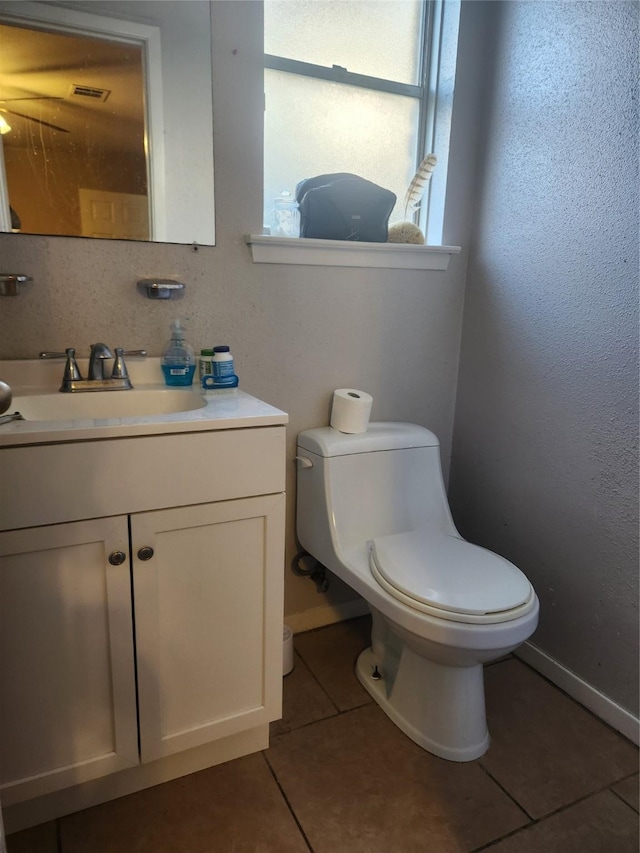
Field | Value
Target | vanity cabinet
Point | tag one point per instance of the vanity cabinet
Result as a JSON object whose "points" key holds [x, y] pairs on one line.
{"points": [[143, 630], [203, 608], [67, 684]]}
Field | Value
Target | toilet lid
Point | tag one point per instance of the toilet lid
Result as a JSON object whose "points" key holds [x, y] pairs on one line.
{"points": [[448, 573]]}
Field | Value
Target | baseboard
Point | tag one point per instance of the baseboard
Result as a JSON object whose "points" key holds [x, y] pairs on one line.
{"points": [[602, 706], [316, 617]]}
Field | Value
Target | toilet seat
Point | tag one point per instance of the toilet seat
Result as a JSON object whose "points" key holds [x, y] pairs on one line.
{"points": [[449, 578]]}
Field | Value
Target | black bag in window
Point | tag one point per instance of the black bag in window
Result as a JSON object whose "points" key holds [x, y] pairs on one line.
{"points": [[344, 207]]}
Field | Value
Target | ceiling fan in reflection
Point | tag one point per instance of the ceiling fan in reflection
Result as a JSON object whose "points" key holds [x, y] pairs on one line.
{"points": [[5, 127]]}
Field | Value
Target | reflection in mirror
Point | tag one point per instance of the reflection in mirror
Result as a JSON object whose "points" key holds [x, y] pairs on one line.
{"points": [[106, 119], [75, 162]]}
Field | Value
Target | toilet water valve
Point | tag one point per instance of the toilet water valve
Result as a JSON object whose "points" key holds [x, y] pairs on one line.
{"points": [[307, 566]]}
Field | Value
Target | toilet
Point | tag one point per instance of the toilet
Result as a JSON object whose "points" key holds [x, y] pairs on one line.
{"points": [[372, 508]]}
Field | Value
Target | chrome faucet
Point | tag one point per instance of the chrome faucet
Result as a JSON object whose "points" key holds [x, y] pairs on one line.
{"points": [[99, 352], [96, 381]]}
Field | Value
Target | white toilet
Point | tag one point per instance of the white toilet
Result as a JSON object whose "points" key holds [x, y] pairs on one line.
{"points": [[372, 508]]}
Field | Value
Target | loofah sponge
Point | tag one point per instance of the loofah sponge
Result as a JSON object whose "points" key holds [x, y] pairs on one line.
{"points": [[405, 232]]}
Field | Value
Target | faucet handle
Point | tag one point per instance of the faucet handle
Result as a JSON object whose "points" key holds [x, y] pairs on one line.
{"points": [[71, 371], [119, 367]]}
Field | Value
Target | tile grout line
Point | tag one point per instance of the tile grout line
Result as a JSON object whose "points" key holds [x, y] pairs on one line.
{"points": [[622, 799], [286, 799], [321, 720], [495, 841], [531, 820], [318, 682], [507, 792], [534, 821], [625, 778], [315, 678]]}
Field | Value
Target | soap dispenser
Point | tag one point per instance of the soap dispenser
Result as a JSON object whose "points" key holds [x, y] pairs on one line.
{"points": [[178, 358]]}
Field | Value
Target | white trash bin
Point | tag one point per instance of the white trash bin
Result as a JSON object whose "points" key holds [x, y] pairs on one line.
{"points": [[287, 650]]}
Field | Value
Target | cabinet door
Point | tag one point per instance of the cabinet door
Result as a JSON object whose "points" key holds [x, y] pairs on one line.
{"points": [[67, 682], [208, 614]]}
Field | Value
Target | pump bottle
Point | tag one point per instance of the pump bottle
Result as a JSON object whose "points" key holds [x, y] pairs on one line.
{"points": [[178, 358]]}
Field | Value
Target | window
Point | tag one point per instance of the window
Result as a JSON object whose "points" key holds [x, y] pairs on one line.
{"points": [[362, 86]]}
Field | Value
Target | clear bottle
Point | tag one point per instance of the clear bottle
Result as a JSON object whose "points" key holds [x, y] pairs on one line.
{"points": [[285, 216], [178, 358]]}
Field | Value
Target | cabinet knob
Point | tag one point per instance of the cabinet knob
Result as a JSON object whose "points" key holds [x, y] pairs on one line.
{"points": [[117, 558], [145, 553]]}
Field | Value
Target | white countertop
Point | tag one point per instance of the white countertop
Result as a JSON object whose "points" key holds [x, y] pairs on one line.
{"points": [[230, 409]]}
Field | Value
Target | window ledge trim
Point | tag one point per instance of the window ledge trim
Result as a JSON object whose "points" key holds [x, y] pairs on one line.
{"points": [[267, 249]]}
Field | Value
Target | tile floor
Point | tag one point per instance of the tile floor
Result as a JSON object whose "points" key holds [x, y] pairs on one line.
{"points": [[339, 777]]}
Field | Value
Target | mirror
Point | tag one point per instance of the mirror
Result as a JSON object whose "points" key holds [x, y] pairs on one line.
{"points": [[106, 119]]}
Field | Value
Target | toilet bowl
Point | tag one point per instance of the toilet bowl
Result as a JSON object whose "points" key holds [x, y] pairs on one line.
{"points": [[372, 508]]}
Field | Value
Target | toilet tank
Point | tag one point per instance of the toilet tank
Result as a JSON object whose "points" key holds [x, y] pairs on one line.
{"points": [[387, 480]]}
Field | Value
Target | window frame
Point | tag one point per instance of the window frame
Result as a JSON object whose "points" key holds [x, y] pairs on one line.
{"points": [[426, 92]]}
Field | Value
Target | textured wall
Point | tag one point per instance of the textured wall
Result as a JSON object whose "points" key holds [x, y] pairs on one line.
{"points": [[296, 332], [544, 465]]}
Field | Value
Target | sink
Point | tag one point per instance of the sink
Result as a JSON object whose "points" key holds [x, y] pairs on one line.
{"points": [[150, 408], [107, 404]]}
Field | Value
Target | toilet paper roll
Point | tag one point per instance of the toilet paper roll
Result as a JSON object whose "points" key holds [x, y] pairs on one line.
{"points": [[351, 410]]}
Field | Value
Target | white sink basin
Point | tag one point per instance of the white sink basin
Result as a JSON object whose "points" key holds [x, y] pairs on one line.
{"points": [[107, 404], [150, 408]]}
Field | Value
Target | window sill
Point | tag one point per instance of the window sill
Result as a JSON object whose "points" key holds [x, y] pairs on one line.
{"points": [[267, 249]]}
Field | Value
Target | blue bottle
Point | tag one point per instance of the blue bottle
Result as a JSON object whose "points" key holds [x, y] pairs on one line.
{"points": [[178, 358]]}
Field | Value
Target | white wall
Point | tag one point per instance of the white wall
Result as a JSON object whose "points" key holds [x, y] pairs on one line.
{"points": [[544, 467], [296, 333]]}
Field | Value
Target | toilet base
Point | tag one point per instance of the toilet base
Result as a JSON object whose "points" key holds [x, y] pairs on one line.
{"points": [[441, 708]]}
